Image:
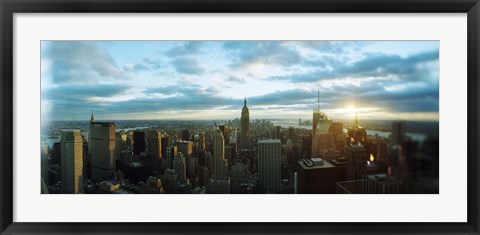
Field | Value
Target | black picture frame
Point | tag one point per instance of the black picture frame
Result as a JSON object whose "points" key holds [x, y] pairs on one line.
{"points": [[9, 7]]}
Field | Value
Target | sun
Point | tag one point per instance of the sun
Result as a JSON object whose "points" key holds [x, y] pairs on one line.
{"points": [[351, 109]]}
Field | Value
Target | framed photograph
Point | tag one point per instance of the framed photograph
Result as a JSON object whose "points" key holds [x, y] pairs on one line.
{"points": [[250, 117]]}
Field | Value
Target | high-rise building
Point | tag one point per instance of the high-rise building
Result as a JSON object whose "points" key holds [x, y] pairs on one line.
{"points": [[185, 135], [170, 181], [269, 166], [102, 150], [180, 167], [202, 142], [218, 185], [357, 158], [357, 134], [238, 176], [316, 176], [209, 162], [398, 133], [171, 153], [185, 147], [245, 125], [219, 161], [118, 144], [320, 125], [192, 166], [383, 184], [138, 142], [72, 161], [154, 143]]}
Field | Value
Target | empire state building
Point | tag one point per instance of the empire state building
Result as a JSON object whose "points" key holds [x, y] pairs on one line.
{"points": [[245, 125]]}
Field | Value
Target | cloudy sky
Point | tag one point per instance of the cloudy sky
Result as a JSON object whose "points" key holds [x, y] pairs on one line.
{"points": [[382, 80]]}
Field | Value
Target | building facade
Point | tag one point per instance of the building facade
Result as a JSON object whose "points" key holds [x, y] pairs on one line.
{"points": [[269, 166], [102, 150], [72, 161]]}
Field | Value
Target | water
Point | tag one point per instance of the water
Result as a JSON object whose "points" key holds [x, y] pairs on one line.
{"points": [[293, 123]]}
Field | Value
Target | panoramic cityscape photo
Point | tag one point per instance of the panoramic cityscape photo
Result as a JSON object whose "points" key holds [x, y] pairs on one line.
{"points": [[239, 117]]}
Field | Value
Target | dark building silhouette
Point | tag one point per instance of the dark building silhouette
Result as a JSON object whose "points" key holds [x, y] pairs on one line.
{"points": [[316, 176], [138, 142], [185, 135]]}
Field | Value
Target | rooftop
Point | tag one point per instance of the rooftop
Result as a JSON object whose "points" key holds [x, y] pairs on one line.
{"points": [[316, 164], [269, 141]]}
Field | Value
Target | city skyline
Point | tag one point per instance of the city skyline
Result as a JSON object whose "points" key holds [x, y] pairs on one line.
{"points": [[208, 80]]}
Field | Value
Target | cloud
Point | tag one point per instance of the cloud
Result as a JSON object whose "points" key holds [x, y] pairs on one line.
{"points": [[82, 93], [187, 65], [244, 53], [185, 49], [85, 78], [145, 65], [373, 65], [237, 79], [80, 61]]}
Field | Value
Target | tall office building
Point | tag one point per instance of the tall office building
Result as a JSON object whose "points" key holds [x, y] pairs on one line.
{"points": [[171, 153], [185, 147], [202, 142], [398, 133], [320, 125], [315, 175], [185, 135], [72, 161], [180, 167], [154, 143], [92, 120], [357, 134], [219, 160], [102, 150], [269, 166], [245, 125], [170, 181], [357, 158], [138, 142], [218, 185]]}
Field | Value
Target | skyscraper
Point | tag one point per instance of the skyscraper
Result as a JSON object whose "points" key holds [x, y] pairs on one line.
{"points": [[202, 142], [398, 133], [138, 142], [180, 167], [269, 166], [154, 143], [245, 125], [102, 150], [320, 125], [171, 153], [219, 161], [72, 161], [185, 147]]}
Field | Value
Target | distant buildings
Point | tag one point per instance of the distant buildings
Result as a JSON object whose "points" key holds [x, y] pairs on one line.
{"points": [[102, 150], [72, 161], [269, 166]]}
